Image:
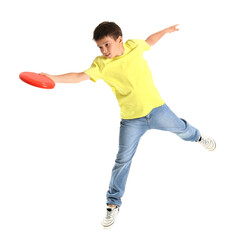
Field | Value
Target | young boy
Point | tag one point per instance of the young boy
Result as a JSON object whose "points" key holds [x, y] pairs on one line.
{"points": [[124, 69]]}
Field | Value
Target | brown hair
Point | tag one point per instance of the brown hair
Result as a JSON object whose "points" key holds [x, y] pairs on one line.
{"points": [[107, 29]]}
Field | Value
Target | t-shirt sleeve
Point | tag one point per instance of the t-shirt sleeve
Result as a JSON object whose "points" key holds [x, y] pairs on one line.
{"points": [[94, 71], [142, 44]]}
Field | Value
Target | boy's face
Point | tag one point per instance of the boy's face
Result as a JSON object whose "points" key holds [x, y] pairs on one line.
{"points": [[109, 47]]}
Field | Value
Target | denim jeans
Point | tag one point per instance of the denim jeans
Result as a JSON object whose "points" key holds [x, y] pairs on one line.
{"points": [[131, 130]]}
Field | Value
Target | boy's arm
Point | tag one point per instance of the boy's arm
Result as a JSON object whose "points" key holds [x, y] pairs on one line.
{"points": [[68, 77], [154, 38]]}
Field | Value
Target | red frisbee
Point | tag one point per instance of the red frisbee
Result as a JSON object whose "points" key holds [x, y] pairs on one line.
{"points": [[37, 80]]}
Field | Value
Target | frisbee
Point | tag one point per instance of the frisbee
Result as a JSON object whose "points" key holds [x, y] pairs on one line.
{"points": [[37, 80]]}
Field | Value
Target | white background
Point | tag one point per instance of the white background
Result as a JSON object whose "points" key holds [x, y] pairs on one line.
{"points": [[58, 146]]}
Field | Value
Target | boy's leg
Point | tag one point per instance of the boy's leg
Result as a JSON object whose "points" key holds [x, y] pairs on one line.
{"points": [[164, 119], [130, 133]]}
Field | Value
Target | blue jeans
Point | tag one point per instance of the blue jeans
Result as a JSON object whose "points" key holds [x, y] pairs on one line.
{"points": [[131, 130]]}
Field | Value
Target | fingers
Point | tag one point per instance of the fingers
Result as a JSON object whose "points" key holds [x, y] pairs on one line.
{"points": [[42, 73], [173, 28], [176, 27]]}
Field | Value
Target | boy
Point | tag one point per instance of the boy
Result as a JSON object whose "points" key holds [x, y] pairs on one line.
{"points": [[124, 69]]}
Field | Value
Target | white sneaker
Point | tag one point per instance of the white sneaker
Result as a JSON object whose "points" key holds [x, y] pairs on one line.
{"points": [[111, 214], [207, 142]]}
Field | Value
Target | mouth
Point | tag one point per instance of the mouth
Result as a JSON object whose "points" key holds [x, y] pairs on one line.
{"points": [[107, 55]]}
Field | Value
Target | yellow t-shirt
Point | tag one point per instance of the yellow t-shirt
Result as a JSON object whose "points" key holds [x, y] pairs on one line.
{"points": [[130, 78]]}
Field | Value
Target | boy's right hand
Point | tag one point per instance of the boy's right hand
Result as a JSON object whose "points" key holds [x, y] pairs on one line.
{"points": [[47, 75]]}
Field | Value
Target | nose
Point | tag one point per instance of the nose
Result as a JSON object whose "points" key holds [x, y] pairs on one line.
{"points": [[104, 51]]}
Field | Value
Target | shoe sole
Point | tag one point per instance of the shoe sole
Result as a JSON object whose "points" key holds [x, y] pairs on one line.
{"points": [[108, 227]]}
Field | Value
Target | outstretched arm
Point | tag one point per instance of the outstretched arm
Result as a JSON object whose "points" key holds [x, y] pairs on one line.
{"points": [[154, 38], [68, 77]]}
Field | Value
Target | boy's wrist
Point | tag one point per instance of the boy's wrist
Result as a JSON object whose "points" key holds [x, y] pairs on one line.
{"points": [[166, 30]]}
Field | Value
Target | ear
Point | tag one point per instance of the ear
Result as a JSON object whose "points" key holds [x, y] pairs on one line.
{"points": [[120, 39]]}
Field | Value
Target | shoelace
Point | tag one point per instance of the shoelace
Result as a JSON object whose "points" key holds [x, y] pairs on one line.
{"points": [[109, 213], [204, 142]]}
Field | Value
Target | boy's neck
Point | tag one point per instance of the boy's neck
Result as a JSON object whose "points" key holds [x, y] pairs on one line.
{"points": [[121, 51]]}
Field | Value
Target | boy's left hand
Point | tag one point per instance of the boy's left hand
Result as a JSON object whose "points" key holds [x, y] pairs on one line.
{"points": [[172, 28]]}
